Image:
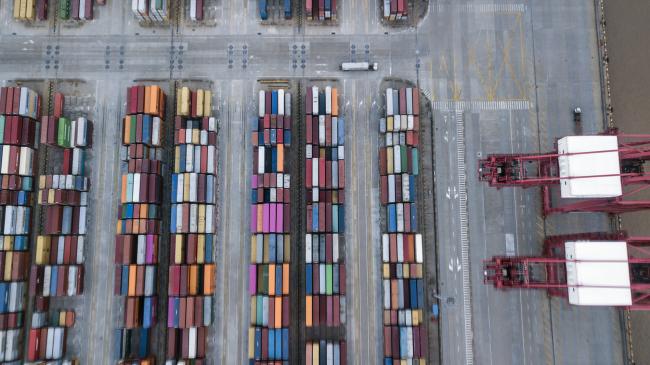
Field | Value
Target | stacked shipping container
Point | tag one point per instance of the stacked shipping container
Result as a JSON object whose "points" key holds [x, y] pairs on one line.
{"points": [[19, 108], [320, 9], [402, 272], [75, 9], [193, 215], [156, 11], [395, 9], [325, 353], [264, 8], [196, 10], [324, 183], [268, 339], [58, 265], [139, 220]]}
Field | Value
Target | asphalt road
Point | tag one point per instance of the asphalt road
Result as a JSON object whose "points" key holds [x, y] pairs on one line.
{"points": [[502, 77]]}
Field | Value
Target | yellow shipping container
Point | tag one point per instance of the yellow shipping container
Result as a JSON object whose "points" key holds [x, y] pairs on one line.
{"points": [[389, 160], [199, 102], [251, 341], [200, 251], [8, 262], [43, 244], [201, 217], [207, 103], [17, 9], [185, 101], [31, 7], [178, 252], [253, 248], [254, 310], [179, 100], [196, 136]]}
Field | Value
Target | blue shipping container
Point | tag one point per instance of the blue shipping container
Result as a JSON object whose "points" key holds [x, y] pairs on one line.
{"points": [[263, 13], [258, 343], [308, 278], [285, 344], [287, 9], [392, 218]]}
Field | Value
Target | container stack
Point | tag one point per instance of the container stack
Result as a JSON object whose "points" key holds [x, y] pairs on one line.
{"points": [[265, 4], [25, 10], [155, 11], [402, 268], [75, 9], [395, 10], [320, 9], [19, 128], [324, 184], [270, 226], [48, 336], [325, 352], [193, 217], [196, 10], [58, 269], [137, 241]]}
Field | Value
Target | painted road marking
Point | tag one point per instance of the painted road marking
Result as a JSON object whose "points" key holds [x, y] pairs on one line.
{"points": [[482, 8], [482, 105], [464, 240]]}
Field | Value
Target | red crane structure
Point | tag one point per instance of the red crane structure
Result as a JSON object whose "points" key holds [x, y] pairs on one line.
{"points": [[603, 171], [589, 269]]}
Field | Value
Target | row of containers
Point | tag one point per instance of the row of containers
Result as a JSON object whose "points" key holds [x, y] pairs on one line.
{"points": [[401, 245], [325, 275], [192, 226], [58, 268], [269, 281], [37, 10], [19, 111], [316, 10], [158, 11], [139, 223]]}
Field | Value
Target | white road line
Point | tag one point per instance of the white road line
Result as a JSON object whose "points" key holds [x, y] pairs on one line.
{"points": [[464, 240]]}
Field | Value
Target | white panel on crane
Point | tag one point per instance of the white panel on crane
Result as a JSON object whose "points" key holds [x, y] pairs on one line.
{"points": [[575, 169]]}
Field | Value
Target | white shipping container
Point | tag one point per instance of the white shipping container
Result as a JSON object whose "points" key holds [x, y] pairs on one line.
{"points": [[314, 172], [391, 188], [72, 279], [328, 100], [3, 344], [49, 353], [385, 245], [410, 124], [281, 102], [25, 166], [389, 91], [321, 130], [321, 269], [260, 248], [260, 160], [314, 98], [315, 194], [207, 310], [382, 123], [209, 219], [155, 131], [330, 354], [60, 251], [308, 248], [386, 294], [419, 256], [409, 101], [262, 104], [192, 343], [141, 250], [335, 248], [265, 311], [400, 296], [287, 104], [194, 215], [397, 120], [193, 10], [80, 249], [5, 159], [58, 343], [136, 188], [287, 181], [150, 280], [82, 219], [406, 188], [341, 152], [23, 107]]}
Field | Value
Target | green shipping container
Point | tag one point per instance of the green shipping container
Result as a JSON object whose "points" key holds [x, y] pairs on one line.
{"points": [[328, 279], [2, 128], [404, 162], [133, 128], [260, 309], [416, 164], [63, 133], [263, 279], [64, 9]]}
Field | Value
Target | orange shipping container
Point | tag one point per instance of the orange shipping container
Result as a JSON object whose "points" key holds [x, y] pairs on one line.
{"points": [[124, 184], [147, 99], [285, 279], [272, 279], [335, 102], [132, 279], [278, 312], [260, 217], [308, 304], [193, 274], [209, 279]]}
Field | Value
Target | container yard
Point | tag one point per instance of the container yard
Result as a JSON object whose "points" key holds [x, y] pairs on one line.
{"points": [[274, 182]]}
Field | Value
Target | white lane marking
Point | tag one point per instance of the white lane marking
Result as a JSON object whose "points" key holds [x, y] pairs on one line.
{"points": [[464, 240]]}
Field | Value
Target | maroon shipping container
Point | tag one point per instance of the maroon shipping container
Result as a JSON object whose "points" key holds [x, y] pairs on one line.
{"points": [[387, 342], [172, 339], [416, 102]]}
